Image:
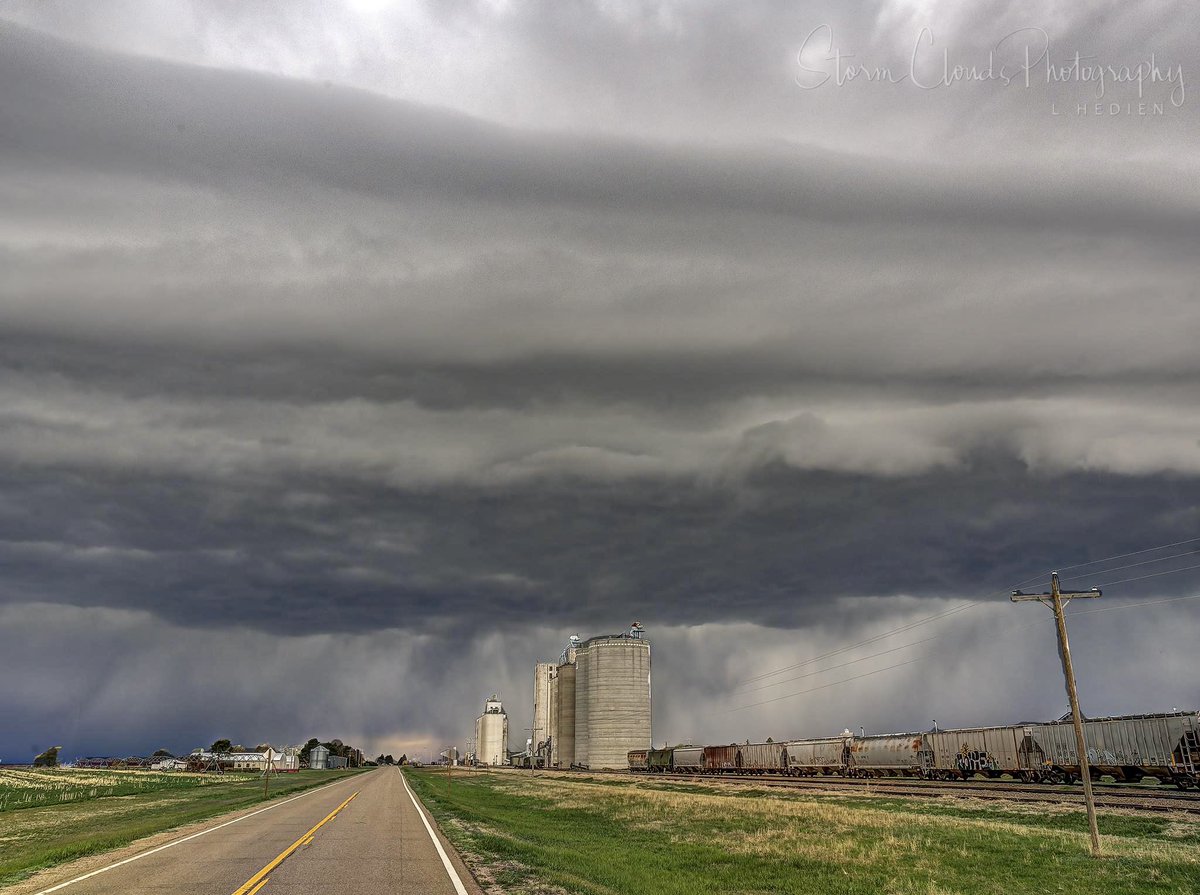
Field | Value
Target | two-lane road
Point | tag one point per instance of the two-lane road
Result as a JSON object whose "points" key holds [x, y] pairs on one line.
{"points": [[363, 835]]}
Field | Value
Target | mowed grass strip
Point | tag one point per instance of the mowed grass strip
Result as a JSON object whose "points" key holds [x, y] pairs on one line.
{"points": [[37, 837], [559, 835]]}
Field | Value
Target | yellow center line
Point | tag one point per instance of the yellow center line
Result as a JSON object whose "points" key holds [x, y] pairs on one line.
{"points": [[259, 886], [256, 882]]}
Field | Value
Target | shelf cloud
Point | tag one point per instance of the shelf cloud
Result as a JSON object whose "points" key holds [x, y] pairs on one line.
{"points": [[316, 342]]}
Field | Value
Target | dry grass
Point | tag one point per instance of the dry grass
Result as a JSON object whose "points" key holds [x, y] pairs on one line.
{"points": [[914, 847]]}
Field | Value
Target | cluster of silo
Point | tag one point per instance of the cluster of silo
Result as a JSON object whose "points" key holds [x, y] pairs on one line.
{"points": [[598, 701]]}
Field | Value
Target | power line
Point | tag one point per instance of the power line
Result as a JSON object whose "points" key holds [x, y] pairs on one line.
{"points": [[981, 601], [826, 686], [906, 627], [800, 677], [1152, 575], [1136, 604], [1144, 562], [1134, 553]]}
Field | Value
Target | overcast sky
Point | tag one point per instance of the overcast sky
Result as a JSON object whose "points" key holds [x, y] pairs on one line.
{"points": [[352, 357]]}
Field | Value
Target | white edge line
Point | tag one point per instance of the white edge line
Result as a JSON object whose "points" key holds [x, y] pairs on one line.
{"points": [[454, 878], [153, 851]]}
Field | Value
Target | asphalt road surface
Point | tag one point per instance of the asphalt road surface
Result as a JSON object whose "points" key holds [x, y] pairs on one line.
{"points": [[361, 836]]}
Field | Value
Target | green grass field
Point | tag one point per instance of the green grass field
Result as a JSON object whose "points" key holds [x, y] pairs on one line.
{"points": [[53, 816], [552, 834]]}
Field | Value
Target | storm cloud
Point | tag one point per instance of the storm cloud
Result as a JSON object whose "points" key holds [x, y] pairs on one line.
{"points": [[319, 349]]}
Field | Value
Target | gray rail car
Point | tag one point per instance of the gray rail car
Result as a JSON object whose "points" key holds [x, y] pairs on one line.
{"points": [[1165, 746], [689, 759], [990, 751], [763, 758], [903, 754], [829, 755]]}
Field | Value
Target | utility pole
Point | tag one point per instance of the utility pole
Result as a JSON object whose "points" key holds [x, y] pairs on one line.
{"points": [[1054, 600]]}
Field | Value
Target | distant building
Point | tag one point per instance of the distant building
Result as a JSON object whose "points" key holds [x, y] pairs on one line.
{"points": [[169, 764], [336, 762], [491, 734], [281, 762]]}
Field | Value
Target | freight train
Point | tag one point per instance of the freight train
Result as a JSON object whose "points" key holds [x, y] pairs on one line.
{"points": [[1127, 748]]}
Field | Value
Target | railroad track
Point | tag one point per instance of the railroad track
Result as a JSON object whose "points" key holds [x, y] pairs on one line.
{"points": [[1111, 796]]}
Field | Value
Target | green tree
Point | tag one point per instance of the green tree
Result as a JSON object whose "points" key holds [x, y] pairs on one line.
{"points": [[221, 746], [48, 759], [308, 747], [404, 758], [162, 753]]}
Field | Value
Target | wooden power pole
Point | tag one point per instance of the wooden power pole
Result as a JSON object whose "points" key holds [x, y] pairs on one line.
{"points": [[1055, 600]]}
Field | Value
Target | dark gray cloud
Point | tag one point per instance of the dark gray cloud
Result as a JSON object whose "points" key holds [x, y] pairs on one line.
{"points": [[299, 374]]}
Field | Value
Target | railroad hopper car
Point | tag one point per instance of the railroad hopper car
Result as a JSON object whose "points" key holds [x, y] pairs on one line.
{"points": [[990, 751], [659, 761], [810, 758], [887, 755], [1165, 746], [638, 760], [763, 758], [688, 760], [721, 759]]}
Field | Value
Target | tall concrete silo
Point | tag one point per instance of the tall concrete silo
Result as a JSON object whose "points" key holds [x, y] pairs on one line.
{"points": [[562, 753], [541, 703], [612, 699], [491, 734]]}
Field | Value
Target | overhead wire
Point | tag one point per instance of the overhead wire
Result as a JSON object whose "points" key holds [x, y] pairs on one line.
{"points": [[1126, 555], [963, 607], [1144, 562], [826, 686], [1135, 604], [799, 677], [955, 610], [1151, 575]]}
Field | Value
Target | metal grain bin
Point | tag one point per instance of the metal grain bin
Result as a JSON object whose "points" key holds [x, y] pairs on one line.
{"points": [[828, 755], [990, 751], [763, 758], [689, 759], [889, 754], [720, 759], [318, 758]]}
